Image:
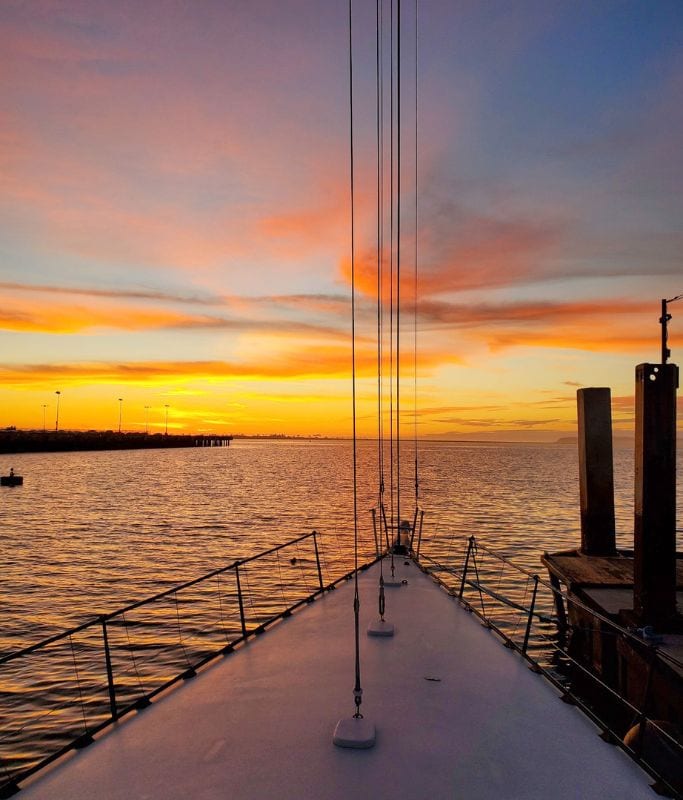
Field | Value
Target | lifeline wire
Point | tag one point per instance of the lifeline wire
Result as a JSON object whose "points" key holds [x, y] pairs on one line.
{"points": [[391, 268], [132, 654], [180, 631], [78, 684], [392, 204], [417, 484], [398, 268], [380, 203], [380, 248], [357, 691], [221, 615]]}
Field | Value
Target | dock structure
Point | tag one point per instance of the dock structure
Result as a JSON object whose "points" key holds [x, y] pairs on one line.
{"points": [[457, 716], [639, 589], [605, 585], [14, 441]]}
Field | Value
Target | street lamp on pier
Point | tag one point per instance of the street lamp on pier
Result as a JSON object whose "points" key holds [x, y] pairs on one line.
{"points": [[166, 407], [58, 393], [146, 420], [120, 411], [44, 417]]}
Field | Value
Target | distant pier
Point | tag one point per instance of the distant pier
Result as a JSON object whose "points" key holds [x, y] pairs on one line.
{"points": [[15, 441]]}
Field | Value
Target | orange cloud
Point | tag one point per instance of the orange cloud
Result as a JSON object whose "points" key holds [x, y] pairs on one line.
{"points": [[485, 251], [466, 251], [316, 362], [293, 361], [47, 316], [594, 339], [327, 304], [580, 324], [322, 224], [530, 313]]}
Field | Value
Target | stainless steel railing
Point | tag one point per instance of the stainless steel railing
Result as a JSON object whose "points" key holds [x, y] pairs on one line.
{"points": [[550, 629], [59, 693]]}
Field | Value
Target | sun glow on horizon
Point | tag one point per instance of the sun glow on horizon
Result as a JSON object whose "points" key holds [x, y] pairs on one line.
{"points": [[176, 228]]}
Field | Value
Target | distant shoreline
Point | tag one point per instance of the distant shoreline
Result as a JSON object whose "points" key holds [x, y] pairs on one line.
{"points": [[32, 441]]}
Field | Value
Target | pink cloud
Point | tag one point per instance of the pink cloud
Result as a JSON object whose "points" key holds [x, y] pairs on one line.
{"points": [[132, 158]]}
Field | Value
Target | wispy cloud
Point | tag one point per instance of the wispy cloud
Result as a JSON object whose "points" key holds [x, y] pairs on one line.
{"points": [[65, 318], [462, 249], [123, 294], [496, 422], [140, 157], [594, 339], [575, 324], [167, 372], [529, 312]]}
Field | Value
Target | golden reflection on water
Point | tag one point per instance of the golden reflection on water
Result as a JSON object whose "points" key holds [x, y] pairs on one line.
{"points": [[91, 532]]}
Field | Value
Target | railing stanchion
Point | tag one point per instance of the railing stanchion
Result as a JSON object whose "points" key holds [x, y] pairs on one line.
{"points": [[240, 600], [120, 707], [470, 545], [419, 535], [110, 672], [413, 529], [559, 602], [374, 530], [386, 528], [531, 615], [642, 716], [317, 560]]}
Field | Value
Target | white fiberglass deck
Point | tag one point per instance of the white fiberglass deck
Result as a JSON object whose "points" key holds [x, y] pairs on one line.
{"points": [[259, 723]]}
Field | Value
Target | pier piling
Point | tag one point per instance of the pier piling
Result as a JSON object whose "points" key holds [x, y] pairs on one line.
{"points": [[655, 495], [596, 475]]}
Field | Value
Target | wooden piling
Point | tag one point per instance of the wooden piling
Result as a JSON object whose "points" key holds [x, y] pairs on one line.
{"points": [[655, 495], [596, 475]]}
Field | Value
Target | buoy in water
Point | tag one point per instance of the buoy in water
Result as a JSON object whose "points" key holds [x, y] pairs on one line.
{"points": [[11, 479]]}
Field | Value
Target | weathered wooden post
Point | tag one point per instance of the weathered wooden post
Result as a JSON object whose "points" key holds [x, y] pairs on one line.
{"points": [[596, 475], [654, 563]]}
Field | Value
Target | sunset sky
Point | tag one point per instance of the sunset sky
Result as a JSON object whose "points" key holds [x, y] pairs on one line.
{"points": [[175, 218]]}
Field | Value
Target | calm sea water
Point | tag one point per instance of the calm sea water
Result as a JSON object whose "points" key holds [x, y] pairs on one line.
{"points": [[91, 532]]}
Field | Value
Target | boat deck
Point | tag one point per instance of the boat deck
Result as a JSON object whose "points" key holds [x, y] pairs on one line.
{"points": [[457, 716]]}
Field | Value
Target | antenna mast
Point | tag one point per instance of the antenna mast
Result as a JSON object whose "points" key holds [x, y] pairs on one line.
{"points": [[664, 319]]}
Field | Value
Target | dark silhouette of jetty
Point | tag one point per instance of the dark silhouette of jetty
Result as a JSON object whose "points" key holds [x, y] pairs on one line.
{"points": [[16, 441]]}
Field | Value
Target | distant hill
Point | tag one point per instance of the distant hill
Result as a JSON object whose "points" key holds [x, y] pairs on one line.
{"points": [[620, 439], [617, 441], [515, 435]]}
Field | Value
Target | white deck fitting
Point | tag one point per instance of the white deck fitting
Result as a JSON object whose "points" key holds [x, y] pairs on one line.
{"points": [[380, 627], [393, 581], [355, 732], [259, 723]]}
